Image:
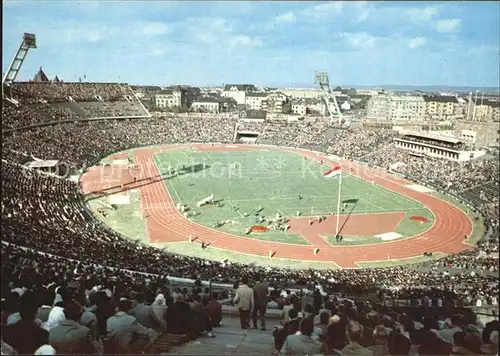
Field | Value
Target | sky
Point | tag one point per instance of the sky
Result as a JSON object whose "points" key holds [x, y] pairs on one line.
{"points": [[203, 43]]}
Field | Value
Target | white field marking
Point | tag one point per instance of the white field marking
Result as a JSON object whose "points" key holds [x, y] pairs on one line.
{"points": [[396, 193], [173, 186], [294, 197], [388, 236], [229, 201], [328, 212], [420, 188], [373, 204]]}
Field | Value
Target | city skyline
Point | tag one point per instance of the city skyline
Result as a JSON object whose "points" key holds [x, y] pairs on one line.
{"points": [[361, 44]]}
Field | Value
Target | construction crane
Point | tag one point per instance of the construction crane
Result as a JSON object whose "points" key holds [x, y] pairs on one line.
{"points": [[28, 42], [332, 106]]}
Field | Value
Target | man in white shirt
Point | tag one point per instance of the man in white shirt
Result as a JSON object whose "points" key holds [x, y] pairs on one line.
{"points": [[244, 301], [56, 315]]}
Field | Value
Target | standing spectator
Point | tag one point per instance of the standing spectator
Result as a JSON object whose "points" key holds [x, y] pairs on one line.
{"points": [[244, 301], [261, 290], [214, 310], [25, 336], [69, 337]]}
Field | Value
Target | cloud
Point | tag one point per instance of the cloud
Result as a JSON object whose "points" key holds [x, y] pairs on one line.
{"points": [[244, 40], [419, 15], [416, 42], [150, 29], [288, 17], [448, 25], [324, 10], [207, 30], [359, 39], [363, 16]]}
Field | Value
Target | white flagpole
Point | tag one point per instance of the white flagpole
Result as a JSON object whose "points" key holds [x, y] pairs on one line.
{"points": [[338, 204]]}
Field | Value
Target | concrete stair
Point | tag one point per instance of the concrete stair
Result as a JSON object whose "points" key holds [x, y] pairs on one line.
{"points": [[230, 339]]}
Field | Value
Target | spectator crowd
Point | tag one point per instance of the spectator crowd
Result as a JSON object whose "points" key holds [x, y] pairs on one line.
{"points": [[63, 270]]}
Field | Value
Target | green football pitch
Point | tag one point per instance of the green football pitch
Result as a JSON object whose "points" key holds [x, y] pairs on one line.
{"points": [[272, 180]]}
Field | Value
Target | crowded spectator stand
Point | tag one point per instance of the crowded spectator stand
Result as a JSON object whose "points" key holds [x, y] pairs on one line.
{"points": [[51, 241]]}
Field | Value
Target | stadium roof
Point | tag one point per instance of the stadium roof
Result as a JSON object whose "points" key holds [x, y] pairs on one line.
{"points": [[433, 137], [41, 77], [43, 164]]}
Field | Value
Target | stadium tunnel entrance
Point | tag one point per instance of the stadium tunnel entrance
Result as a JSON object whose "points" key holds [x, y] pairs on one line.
{"points": [[247, 137]]}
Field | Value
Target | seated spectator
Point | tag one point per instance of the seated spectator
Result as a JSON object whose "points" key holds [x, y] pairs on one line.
{"points": [[398, 342], [452, 325], [180, 317], [144, 313], [45, 350], [336, 337], [56, 315], [354, 334], [159, 309], [125, 332], [429, 340], [302, 343], [70, 337], [25, 336], [321, 328], [7, 349], [289, 328]]}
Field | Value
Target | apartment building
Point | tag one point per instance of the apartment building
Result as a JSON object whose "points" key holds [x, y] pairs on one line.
{"points": [[254, 100], [396, 107], [276, 103], [302, 93], [211, 105], [483, 110], [238, 92], [307, 106], [170, 98], [442, 107]]}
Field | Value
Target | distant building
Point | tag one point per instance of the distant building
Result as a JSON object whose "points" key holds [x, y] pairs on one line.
{"points": [[483, 110], [276, 103], [308, 106], [478, 133], [442, 107], [396, 108], [207, 104], [253, 100], [170, 98], [302, 93], [238, 92]]}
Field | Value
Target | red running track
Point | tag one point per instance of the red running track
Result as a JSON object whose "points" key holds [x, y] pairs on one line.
{"points": [[166, 224]]}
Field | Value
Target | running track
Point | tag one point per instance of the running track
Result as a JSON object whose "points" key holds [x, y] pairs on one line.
{"points": [[166, 224]]}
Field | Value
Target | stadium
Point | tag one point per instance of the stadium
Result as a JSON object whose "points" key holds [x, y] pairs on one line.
{"points": [[97, 191]]}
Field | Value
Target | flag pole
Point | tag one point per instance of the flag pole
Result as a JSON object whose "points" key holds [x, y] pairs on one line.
{"points": [[338, 204]]}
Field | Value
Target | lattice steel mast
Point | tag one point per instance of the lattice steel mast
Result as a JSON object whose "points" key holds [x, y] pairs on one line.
{"points": [[328, 97]]}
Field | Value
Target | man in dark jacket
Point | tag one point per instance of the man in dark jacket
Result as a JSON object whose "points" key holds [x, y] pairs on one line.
{"points": [[260, 290], [180, 317], [26, 336]]}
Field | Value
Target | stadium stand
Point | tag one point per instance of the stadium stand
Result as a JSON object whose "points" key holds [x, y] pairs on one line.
{"points": [[55, 251]]}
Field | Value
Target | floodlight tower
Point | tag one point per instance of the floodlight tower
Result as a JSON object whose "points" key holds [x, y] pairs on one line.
{"points": [[29, 41], [330, 100]]}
